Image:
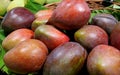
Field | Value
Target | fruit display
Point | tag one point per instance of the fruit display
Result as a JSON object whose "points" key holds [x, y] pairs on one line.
{"points": [[60, 37]]}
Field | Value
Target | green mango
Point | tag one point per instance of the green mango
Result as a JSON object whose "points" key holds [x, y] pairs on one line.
{"points": [[16, 3], [3, 6]]}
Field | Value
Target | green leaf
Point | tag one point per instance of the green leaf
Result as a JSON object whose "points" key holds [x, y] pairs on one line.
{"points": [[2, 35], [116, 0], [33, 6], [95, 12], [42, 2], [2, 52], [116, 14], [52, 1], [114, 6], [2, 65]]}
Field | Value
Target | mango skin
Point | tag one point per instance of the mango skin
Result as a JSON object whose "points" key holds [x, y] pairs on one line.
{"points": [[105, 21], [66, 59], [42, 17], [115, 36], [90, 36], [104, 60], [70, 15], [28, 56], [16, 18], [51, 36], [16, 37]]}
